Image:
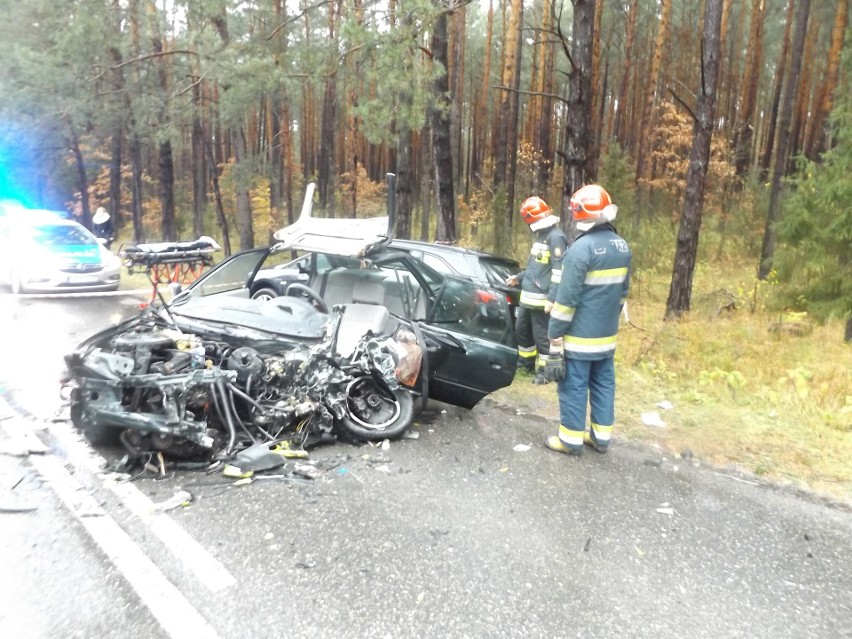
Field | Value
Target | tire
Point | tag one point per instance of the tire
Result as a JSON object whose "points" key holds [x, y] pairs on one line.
{"points": [[264, 294], [372, 415]]}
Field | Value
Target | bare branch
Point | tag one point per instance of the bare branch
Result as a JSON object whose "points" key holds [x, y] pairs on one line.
{"points": [[683, 104]]}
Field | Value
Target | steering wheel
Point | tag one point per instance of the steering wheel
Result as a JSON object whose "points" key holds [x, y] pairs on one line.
{"points": [[296, 289]]}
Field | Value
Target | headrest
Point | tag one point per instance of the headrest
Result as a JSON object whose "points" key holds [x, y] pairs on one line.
{"points": [[367, 292]]}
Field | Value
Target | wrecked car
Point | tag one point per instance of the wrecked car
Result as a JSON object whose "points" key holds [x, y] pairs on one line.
{"points": [[353, 349]]}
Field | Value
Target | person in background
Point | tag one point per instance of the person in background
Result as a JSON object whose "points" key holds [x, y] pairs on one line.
{"points": [[584, 324], [102, 226], [538, 282]]}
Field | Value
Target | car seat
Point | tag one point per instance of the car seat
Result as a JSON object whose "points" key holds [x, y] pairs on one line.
{"points": [[366, 313]]}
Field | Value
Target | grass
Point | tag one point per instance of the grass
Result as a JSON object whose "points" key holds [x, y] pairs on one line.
{"points": [[769, 402]]}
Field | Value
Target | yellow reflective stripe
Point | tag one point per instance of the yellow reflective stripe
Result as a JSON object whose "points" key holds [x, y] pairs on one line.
{"points": [[606, 276], [538, 247], [562, 312], [556, 275], [602, 433], [528, 353], [570, 437], [589, 344], [536, 300]]}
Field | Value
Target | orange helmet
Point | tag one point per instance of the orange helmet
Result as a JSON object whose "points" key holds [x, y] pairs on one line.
{"points": [[591, 205], [534, 209]]}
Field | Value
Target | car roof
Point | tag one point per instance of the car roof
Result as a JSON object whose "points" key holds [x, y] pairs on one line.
{"points": [[448, 248], [337, 236]]}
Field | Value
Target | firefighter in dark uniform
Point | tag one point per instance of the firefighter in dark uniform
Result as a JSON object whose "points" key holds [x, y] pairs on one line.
{"points": [[538, 281]]}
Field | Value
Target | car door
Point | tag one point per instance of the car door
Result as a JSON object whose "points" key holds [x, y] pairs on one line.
{"points": [[476, 352]]}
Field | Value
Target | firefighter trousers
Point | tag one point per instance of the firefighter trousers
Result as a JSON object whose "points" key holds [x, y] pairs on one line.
{"points": [[531, 334]]}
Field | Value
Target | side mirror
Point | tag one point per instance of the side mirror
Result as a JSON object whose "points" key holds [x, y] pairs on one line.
{"points": [[304, 265], [176, 288]]}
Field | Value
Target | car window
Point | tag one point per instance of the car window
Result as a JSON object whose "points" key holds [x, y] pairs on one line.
{"points": [[231, 275], [498, 271], [437, 263], [464, 307]]}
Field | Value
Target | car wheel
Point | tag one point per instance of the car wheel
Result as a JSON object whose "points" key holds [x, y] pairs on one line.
{"points": [[264, 294], [374, 413]]}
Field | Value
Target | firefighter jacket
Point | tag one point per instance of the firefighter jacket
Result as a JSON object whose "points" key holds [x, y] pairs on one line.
{"points": [[544, 267], [589, 299]]}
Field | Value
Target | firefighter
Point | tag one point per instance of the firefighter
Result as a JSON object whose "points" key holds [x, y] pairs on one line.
{"points": [[538, 284], [584, 323]]}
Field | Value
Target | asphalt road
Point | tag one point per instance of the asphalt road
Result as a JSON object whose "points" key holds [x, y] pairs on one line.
{"points": [[453, 534]]}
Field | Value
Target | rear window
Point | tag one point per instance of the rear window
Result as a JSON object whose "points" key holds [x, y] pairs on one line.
{"points": [[498, 271]]}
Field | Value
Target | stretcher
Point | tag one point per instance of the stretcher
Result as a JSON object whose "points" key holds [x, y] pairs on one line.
{"points": [[169, 262]]}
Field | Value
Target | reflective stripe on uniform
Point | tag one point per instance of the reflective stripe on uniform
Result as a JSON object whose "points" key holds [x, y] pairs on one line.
{"points": [[562, 312], [589, 344], [572, 438], [606, 276], [527, 352], [556, 276], [541, 252], [602, 433], [536, 300]]}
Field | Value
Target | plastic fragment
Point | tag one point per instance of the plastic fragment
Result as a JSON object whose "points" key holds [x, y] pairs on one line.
{"points": [[411, 434], [665, 405], [384, 468], [652, 418], [306, 470], [180, 498], [229, 470], [521, 448]]}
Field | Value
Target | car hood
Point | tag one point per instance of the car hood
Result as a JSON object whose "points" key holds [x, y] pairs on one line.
{"points": [[85, 253], [286, 316], [338, 236]]}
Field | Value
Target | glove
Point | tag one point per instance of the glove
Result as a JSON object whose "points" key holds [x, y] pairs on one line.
{"points": [[554, 362]]}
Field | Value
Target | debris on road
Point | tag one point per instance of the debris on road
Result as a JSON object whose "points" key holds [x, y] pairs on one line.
{"points": [[652, 418], [522, 448], [180, 498], [665, 509]]}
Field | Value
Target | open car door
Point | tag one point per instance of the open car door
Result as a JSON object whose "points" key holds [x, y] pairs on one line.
{"points": [[477, 353]]}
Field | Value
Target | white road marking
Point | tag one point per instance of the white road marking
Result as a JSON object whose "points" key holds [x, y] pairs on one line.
{"points": [[187, 550], [177, 616]]}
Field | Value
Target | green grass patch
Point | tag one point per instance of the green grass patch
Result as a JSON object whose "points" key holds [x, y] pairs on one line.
{"points": [[745, 394]]}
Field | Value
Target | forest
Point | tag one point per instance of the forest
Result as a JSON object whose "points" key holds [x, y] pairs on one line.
{"points": [[728, 119]]}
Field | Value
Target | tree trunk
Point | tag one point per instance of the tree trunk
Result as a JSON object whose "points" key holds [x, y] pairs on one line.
{"points": [[579, 161], [115, 178], [767, 250], [815, 143], [751, 76], [625, 79], [780, 70], [136, 189], [167, 192], [245, 226], [441, 143], [680, 291], [507, 78], [221, 220], [328, 125], [82, 177], [480, 114], [653, 81]]}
